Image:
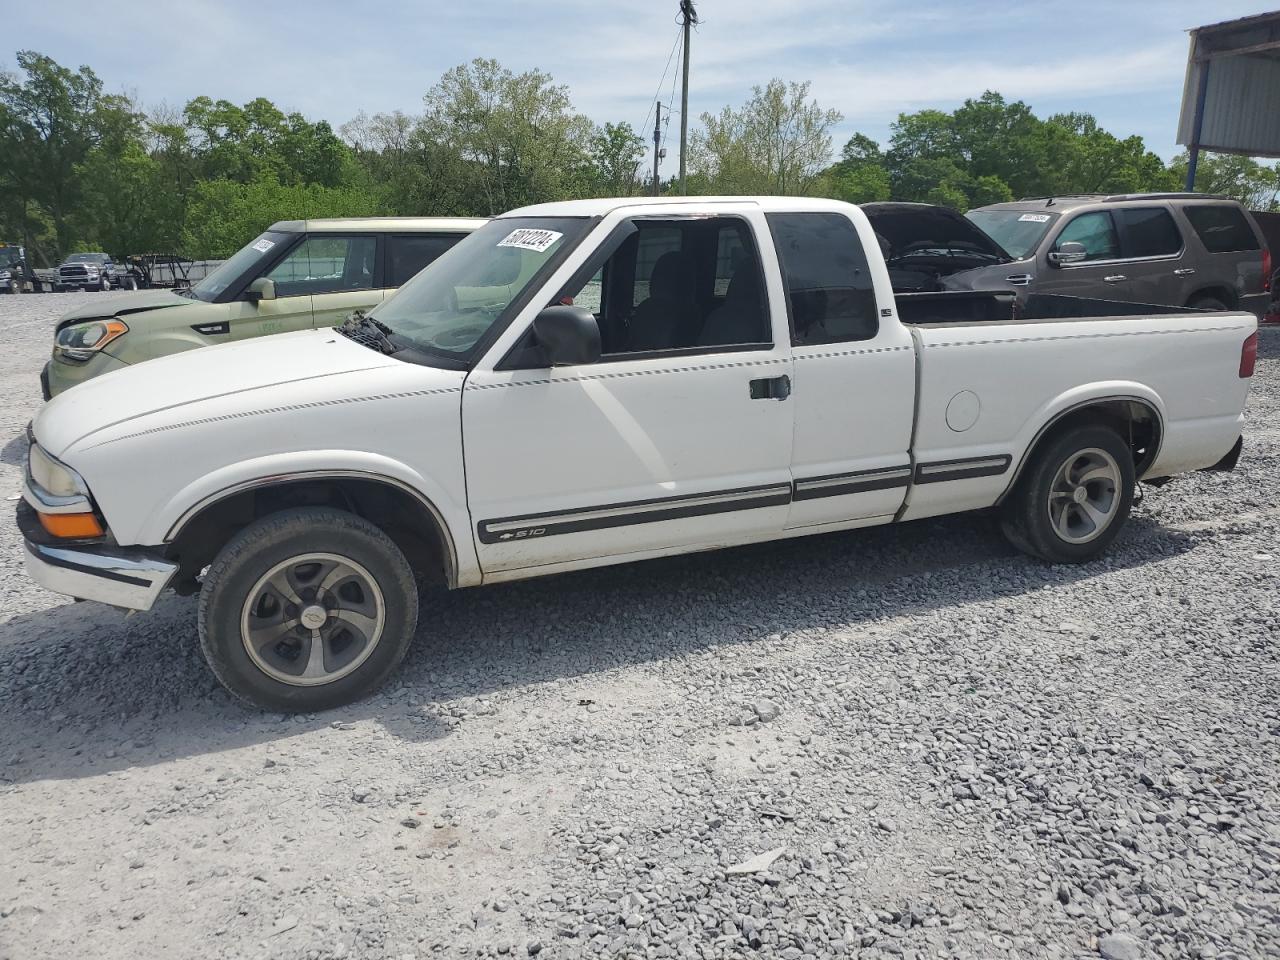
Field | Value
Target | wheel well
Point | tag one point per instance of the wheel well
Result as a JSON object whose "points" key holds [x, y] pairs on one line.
{"points": [[403, 516], [1136, 421], [1225, 294]]}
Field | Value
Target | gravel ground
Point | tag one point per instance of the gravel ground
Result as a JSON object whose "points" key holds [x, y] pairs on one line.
{"points": [[935, 747]]}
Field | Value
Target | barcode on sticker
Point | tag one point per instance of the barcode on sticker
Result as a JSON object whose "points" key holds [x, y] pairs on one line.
{"points": [[263, 245], [530, 239]]}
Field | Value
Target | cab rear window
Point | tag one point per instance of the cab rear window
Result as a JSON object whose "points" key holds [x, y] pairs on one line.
{"points": [[1222, 227]]}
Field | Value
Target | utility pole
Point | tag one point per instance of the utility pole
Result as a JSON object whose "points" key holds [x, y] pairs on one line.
{"points": [[688, 17], [657, 141]]}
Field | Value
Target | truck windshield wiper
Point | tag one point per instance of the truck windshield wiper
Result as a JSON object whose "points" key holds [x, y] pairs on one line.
{"points": [[369, 332]]}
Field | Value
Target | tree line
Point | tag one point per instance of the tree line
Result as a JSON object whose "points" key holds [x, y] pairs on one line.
{"points": [[81, 168]]}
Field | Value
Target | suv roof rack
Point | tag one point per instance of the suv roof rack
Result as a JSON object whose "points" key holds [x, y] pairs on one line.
{"points": [[1124, 197], [1166, 196]]}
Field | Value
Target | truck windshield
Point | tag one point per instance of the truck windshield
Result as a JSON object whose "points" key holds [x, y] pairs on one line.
{"points": [[447, 308], [1018, 231], [247, 257]]}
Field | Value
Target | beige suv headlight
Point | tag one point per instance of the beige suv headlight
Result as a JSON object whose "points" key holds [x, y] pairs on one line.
{"points": [[80, 341]]}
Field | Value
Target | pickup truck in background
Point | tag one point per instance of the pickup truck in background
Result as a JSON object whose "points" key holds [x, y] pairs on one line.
{"points": [[589, 383], [91, 271]]}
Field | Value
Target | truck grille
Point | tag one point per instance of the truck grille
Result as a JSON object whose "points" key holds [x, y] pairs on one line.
{"points": [[73, 272]]}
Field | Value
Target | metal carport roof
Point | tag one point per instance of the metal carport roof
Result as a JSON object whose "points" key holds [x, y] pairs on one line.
{"points": [[1231, 98]]}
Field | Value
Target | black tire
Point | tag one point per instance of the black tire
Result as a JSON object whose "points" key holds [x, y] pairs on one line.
{"points": [[236, 577], [1026, 519], [1208, 303]]}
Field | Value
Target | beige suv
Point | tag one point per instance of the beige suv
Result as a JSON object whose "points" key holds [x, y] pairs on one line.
{"points": [[298, 274]]}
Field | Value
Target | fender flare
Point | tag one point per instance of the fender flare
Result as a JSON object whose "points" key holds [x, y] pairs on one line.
{"points": [[1061, 407], [460, 569]]}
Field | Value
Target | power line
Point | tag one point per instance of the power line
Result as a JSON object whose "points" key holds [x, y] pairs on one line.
{"points": [[656, 93]]}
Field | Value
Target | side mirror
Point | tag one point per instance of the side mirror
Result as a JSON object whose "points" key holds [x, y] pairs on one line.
{"points": [[1069, 252], [261, 289], [569, 335]]}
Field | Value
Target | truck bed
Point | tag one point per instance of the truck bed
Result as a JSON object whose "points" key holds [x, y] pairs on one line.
{"points": [[985, 389], [1002, 306]]}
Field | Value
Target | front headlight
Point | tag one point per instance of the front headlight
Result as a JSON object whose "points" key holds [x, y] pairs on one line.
{"points": [[4, 274], [53, 476], [82, 340]]}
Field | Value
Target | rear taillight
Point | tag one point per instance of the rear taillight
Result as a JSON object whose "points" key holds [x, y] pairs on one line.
{"points": [[1266, 269], [1249, 355]]}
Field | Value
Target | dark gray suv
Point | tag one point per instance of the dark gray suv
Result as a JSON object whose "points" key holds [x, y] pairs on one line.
{"points": [[1179, 249]]}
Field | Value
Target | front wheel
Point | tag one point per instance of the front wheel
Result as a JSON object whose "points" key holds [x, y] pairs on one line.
{"points": [[1074, 497], [306, 610]]}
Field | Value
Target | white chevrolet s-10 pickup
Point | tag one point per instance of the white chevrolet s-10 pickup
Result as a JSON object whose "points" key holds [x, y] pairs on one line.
{"points": [[593, 382]]}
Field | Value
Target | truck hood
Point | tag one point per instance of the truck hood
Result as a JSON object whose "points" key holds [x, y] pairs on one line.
{"points": [[911, 227], [233, 374], [144, 301]]}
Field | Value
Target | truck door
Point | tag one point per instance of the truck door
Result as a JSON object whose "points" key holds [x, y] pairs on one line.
{"points": [[679, 435], [854, 394]]}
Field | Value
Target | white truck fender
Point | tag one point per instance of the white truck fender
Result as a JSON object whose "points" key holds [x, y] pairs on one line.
{"points": [[167, 520]]}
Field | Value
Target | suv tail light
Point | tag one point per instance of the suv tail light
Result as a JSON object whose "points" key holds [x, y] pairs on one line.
{"points": [[1249, 355], [1266, 269]]}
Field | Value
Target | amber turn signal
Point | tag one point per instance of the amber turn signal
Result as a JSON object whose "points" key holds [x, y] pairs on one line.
{"points": [[71, 525]]}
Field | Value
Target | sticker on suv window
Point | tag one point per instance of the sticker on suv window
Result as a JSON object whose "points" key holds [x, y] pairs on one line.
{"points": [[528, 239], [263, 245], [1034, 218]]}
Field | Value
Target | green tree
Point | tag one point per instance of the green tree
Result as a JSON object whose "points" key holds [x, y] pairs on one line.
{"points": [[1252, 183], [860, 175], [48, 127], [515, 137], [778, 142], [224, 214], [616, 152]]}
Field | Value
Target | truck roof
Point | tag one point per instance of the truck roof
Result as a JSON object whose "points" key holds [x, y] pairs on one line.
{"points": [[1074, 201], [600, 207], [381, 225]]}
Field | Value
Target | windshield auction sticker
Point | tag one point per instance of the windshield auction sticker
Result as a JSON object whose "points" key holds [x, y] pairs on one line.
{"points": [[526, 239], [262, 245], [1034, 218]]}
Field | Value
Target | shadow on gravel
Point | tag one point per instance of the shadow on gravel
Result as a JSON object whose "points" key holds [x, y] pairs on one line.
{"points": [[84, 691], [15, 451]]}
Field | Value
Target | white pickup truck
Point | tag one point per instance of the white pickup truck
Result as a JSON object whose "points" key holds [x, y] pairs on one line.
{"points": [[588, 383]]}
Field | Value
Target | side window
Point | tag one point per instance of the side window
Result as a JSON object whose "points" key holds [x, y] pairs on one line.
{"points": [[1148, 232], [326, 264], [676, 285], [409, 253], [828, 280], [1096, 231], [1221, 227]]}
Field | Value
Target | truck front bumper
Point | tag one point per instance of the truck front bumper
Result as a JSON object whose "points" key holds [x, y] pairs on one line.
{"points": [[128, 577]]}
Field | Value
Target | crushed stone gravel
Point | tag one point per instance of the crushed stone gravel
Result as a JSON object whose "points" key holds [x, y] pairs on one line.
{"points": [[941, 747]]}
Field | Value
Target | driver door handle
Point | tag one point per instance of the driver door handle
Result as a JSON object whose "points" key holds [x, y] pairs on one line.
{"points": [[771, 388], [1114, 278], [1184, 272]]}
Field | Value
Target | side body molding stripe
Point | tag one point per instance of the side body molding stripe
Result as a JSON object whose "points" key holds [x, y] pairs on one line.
{"points": [[509, 529]]}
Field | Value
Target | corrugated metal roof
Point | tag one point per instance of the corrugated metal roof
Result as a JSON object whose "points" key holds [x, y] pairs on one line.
{"points": [[1242, 88]]}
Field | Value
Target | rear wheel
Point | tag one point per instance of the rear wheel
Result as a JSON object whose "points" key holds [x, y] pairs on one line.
{"points": [[307, 610], [1074, 497]]}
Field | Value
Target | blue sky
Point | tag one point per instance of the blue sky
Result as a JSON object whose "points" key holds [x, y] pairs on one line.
{"points": [[1121, 60]]}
